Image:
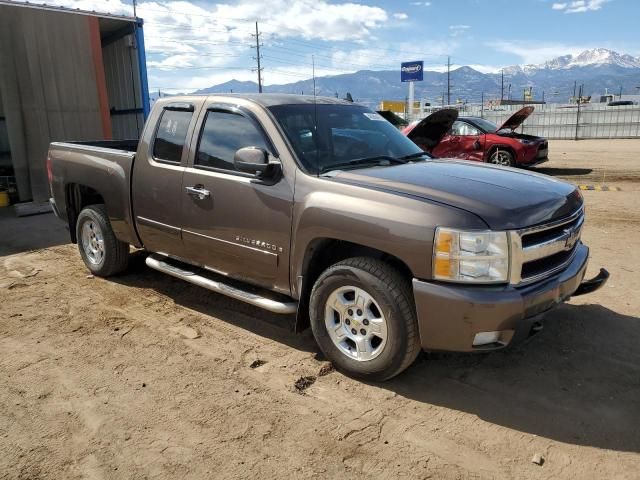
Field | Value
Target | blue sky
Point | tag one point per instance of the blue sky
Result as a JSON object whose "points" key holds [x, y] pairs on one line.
{"points": [[198, 43]]}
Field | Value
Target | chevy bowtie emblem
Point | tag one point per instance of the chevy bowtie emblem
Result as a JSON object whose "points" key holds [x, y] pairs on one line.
{"points": [[572, 237]]}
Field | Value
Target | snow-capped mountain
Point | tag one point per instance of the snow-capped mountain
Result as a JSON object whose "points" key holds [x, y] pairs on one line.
{"points": [[595, 57], [598, 69]]}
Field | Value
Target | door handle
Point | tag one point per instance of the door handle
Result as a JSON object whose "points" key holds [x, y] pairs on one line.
{"points": [[198, 191]]}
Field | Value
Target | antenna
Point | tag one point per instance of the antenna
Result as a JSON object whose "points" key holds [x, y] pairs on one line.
{"points": [[313, 73], [315, 109]]}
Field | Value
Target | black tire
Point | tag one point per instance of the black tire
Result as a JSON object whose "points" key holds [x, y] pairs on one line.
{"points": [[503, 157], [392, 293], [115, 254]]}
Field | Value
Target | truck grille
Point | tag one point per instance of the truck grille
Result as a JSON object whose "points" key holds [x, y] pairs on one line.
{"points": [[541, 251]]}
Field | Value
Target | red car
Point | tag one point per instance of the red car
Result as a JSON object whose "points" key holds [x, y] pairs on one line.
{"points": [[445, 135]]}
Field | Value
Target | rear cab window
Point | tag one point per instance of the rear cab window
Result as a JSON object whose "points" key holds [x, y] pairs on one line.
{"points": [[171, 135]]}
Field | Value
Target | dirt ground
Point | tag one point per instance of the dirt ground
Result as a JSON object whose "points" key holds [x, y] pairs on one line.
{"points": [[102, 379]]}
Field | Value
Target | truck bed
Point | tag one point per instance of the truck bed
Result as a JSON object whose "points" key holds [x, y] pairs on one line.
{"points": [[126, 145], [95, 172]]}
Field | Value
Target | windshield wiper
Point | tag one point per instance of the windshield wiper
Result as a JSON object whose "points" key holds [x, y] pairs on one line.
{"points": [[415, 155], [373, 161]]}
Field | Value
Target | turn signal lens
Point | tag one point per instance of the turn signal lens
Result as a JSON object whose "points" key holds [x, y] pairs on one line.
{"points": [[471, 256]]}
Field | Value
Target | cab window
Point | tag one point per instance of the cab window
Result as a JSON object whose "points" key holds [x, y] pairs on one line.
{"points": [[171, 135], [222, 135]]}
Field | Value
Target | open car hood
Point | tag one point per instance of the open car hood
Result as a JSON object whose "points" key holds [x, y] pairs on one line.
{"points": [[430, 130], [395, 120], [515, 120]]}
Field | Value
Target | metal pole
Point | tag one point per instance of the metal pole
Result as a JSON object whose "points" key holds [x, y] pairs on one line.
{"points": [[578, 112], [411, 96], [502, 86], [258, 58], [134, 9], [482, 106], [448, 80]]}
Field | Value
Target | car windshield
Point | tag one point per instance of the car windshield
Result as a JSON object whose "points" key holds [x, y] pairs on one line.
{"points": [[485, 125], [325, 136]]}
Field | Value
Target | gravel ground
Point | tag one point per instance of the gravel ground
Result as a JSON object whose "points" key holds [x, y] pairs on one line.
{"points": [[144, 376]]}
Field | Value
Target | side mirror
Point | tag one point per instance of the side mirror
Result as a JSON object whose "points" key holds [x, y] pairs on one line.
{"points": [[252, 160]]}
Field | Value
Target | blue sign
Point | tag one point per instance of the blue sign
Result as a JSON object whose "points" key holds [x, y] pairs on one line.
{"points": [[411, 71]]}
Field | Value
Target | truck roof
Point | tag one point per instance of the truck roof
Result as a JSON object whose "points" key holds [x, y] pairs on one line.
{"points": [[264, 99]]}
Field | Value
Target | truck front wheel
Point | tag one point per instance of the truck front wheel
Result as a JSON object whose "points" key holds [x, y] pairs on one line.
{"points": [[363, 318], [101, 251]]}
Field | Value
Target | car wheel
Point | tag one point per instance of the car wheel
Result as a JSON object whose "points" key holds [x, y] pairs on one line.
{"points": [[502, 157], [363, 318], [101, 251]]}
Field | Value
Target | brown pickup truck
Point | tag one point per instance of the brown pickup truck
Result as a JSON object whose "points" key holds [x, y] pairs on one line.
{"points": [[322, 208]]}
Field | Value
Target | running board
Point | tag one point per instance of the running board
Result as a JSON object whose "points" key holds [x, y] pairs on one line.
{"points": [[159, 262]]}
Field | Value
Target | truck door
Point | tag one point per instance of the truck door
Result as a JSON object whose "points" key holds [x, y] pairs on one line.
{"points": [[157, 177], [233, 222]]}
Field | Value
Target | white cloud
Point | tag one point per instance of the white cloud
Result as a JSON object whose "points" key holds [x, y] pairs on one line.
{"points": [[400, 16], [193, 45], [456, 30], [580, 6], [423, 4], [533, 53]]}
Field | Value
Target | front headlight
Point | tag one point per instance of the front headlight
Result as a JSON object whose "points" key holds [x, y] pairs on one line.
{"points": [[525, 142], [471, 257]]}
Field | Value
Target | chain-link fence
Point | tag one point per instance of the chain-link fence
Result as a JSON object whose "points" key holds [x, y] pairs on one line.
{"points": [[568, 122]]}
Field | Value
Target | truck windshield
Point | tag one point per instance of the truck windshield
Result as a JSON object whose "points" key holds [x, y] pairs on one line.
{"points": [[324, 135]]}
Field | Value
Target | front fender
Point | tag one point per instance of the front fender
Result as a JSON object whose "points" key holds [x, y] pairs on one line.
{"points": [[399, 225]]}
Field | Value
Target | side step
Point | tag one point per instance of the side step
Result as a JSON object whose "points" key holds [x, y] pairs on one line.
{"points": [[197, 276]]}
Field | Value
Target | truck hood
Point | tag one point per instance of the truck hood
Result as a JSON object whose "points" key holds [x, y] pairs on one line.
{"points": [[504, 198], [515, 120]]}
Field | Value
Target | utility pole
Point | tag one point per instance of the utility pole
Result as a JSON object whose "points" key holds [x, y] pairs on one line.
{"points": [[258, 57], [502, 86], [482, 105], [134, 9], [578, 112], [448, 80], [575, 83], [620, 96]]}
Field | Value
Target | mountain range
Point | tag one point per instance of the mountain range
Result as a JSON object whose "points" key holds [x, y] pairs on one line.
{"points": [[598, 69]]}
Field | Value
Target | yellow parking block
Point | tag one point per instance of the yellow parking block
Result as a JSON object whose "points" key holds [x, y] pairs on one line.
{"points": [[600, 188]]}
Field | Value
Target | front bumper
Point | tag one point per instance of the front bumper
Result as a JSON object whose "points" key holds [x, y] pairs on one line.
{"points": [[450, 316]]}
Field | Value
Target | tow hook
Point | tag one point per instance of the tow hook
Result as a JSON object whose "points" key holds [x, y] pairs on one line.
{"points": [[592, 285]]}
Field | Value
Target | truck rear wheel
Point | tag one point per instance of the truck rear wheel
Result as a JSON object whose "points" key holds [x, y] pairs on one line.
{"points": [[363, 318], [100, 250]]}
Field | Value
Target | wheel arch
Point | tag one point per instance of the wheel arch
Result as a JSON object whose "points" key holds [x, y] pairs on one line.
{"points": [[79, 196], [320, 254], [501, 146]]}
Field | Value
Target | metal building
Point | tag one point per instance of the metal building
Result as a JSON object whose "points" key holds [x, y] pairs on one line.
{"points": [[64, 75]]}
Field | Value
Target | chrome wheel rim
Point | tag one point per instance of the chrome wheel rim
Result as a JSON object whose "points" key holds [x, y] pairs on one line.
{"points": [[92, 242], [355, 323], [500, 157]]}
